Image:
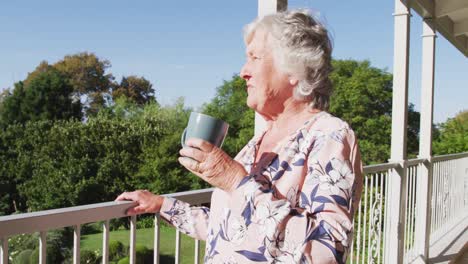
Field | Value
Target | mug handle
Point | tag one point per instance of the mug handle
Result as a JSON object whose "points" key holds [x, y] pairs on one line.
{"points": [[182, 138]]}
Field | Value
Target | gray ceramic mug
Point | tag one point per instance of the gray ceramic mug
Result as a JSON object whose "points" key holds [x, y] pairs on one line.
{"points": [[205, 127]]}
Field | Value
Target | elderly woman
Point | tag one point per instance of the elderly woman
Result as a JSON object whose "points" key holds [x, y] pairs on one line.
{"points": [[290, 194]]}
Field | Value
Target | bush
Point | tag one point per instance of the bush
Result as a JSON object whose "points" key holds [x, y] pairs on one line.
{"points": [[19, 243], [125, 260], [34, 258], [146, 221], [24, 257], [92, 228], [53, 254], [116, 250], [143, 254], [116, 223], [89, 257]]}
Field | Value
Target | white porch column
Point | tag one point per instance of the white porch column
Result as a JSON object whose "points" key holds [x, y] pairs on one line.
{"points": [[395, 202], [424, 188], [266, 7]]}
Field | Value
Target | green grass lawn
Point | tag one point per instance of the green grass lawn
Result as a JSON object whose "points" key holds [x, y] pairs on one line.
{"points": [[146, 237]]}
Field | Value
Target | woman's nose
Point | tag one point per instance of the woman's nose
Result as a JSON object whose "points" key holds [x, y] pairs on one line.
{"points": [[244, 73]]}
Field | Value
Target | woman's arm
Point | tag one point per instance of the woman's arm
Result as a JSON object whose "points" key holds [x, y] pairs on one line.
{"points": [[191, 220]]}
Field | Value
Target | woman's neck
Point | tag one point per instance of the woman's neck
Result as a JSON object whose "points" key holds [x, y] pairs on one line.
{"points": [[294, 114]]}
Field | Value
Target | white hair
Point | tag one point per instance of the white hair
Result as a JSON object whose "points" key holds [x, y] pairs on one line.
{"points": [[301, 48]]}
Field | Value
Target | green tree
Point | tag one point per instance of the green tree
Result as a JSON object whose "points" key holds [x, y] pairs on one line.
{"points": [[10, 106], [46, 96], [362, 96], [453, 135], [41, 68], [87, 74], [4, 94], [136, 89]]}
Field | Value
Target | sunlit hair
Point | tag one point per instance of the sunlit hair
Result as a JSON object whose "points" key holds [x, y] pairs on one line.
{"points": [[301, 48]]}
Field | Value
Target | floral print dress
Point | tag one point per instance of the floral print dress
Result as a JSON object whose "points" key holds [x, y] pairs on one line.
{"points": [[295, 206]]}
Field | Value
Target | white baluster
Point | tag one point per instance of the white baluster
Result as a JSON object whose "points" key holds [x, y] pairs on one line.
{"points": [[76, 244], [42, 247], [132, 252], [197, 251], [105, 242], [156, 239]]}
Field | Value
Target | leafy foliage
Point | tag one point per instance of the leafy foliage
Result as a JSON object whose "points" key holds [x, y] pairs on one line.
{"points": [[453, 135], [24, 257], [90, 83], [24, 248], [89, 257], [362, 96], [86, 72], [51, 164], [87, 76], [143, 254], [125, 260], [116, 250], [47, 96], [136, 89]]}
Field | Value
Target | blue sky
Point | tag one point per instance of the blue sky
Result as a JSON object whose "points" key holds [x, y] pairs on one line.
{"points": [[187, 48]]}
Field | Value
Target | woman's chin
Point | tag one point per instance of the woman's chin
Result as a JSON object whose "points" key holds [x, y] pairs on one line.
{"points": [[252, 104]]}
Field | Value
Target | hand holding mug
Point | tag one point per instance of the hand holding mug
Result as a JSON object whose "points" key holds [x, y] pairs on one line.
{"points": [[211, 164], [201, 153], [205, 127]]}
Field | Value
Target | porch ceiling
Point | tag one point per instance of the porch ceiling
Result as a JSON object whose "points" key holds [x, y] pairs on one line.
{"points": [[449, 18]]}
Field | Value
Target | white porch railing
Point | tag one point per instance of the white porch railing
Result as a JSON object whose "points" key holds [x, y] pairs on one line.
{"points": [[450, 194], [449, 204]]}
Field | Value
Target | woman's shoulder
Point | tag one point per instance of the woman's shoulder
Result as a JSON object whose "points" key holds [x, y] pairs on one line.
{"points": [[327, 122]]}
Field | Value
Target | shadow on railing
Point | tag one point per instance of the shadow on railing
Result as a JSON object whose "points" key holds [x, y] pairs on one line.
{"points": [[368, 245]]}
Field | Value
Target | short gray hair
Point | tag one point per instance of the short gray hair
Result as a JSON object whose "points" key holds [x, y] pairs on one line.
{"points": [[302, 48]]}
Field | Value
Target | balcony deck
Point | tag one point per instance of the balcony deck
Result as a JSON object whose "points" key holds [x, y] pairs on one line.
{"points": [[452, 247]]}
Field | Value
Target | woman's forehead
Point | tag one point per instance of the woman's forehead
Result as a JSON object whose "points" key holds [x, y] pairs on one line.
{"points": [[259, 41]]}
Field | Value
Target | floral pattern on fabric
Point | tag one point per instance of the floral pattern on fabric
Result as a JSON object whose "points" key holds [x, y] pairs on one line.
{"points": [[295, 206]]}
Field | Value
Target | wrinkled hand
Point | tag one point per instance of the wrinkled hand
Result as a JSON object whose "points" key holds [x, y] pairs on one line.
{"points": [[211, 164], [147, 202]]}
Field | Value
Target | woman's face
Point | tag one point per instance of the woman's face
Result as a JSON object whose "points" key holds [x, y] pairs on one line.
{"points": [[267, 86]]}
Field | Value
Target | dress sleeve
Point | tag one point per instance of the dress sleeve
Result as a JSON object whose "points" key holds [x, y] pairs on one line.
{"points": [[190, 220], [315, 227], [329, 195]]}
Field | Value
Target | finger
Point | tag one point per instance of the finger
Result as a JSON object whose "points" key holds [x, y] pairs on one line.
{"points": [[189, 164], [200, 144], [131, 211], [119, 198], [124, 196], [139, 209], [193, 153]]}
